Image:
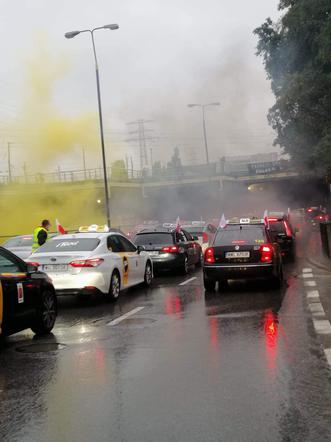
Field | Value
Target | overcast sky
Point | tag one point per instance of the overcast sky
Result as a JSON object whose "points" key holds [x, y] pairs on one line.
{"points": [[166, 54]]}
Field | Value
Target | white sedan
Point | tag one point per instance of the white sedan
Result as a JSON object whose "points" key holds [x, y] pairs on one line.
{"points": [[85, 263]]}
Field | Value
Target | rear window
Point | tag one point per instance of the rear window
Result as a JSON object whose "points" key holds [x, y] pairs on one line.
{"points": [[153, 239], [19, 241], [236, 235], [194, 230], [277, 227], [70, 245]]}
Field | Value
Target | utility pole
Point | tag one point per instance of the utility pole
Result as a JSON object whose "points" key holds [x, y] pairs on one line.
{"points": [[131, 162], [25, 171], [141, 138], [151, 152], [9, 162], [84, 163]]}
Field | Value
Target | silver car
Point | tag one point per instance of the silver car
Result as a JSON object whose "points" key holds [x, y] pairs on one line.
{"points": [[86, 263], [21, 245]]}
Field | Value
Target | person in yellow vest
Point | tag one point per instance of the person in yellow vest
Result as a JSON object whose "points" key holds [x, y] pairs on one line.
{"points": [[40, 235]]}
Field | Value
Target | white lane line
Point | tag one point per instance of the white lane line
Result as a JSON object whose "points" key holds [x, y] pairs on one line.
{"points": [[188, 280], [322, 327], [316, 309], [327, 352], [125, 316], [307, 275], [313, 294], [307, 270], [310, 283]]}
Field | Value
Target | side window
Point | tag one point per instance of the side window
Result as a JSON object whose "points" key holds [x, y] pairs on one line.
{"points": [[188, 236], [127, 245], [9, 265], [114, 244]]}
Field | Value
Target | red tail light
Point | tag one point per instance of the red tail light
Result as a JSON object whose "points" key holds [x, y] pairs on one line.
{"points": [[170, 249], [209, 256], [288, 230], [94, 262], [205, 237], [266, 253]]}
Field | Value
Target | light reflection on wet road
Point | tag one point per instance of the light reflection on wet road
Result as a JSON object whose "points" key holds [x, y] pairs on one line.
{"points": [[243, 365]]}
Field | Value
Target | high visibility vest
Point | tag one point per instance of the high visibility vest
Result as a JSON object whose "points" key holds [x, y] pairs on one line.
{"points": [[35, 244]]}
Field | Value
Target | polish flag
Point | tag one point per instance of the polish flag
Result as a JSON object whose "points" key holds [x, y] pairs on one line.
{"points": [[60, 228], [178, 226], [223, 222], [288, 212], [266, 219]]}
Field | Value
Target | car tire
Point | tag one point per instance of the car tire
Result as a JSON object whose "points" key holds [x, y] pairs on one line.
{"points": [[114, 286], [148, 276], [46, 313], [186, 267], [209, 285], [277, 281]]}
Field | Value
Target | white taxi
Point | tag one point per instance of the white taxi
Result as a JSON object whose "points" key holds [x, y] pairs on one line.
{"points": [[90, 262]]}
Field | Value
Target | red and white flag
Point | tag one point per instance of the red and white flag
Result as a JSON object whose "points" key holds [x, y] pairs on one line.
{"points": [[178, 225], [60, 228], [223, 222], [266, 219]]}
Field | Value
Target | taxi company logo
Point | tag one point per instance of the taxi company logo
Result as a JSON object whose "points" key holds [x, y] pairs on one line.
{"points": [[237, 248]]}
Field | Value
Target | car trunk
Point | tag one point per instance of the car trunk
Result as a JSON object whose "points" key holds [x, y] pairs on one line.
{"points": [[58, 262], [233, 254]]}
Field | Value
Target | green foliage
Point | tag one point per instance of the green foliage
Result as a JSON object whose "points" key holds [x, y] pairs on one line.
{"points": [[297, 57]]}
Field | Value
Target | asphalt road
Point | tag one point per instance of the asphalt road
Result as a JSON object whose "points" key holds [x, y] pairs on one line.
{"points": [[243, 365]]}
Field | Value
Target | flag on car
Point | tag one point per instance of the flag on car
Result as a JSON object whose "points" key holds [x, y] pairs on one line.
{"points": [[266, 219], [60, 228], [178, 226], [223, 222]]}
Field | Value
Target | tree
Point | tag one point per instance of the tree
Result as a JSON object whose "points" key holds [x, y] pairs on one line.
{"points": [[297, 57], [174, 166], [119, 171]]}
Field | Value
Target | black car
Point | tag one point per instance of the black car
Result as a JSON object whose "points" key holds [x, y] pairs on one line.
{"points": [[169, 249], [243, 249], [27, 297], [282, 232]]}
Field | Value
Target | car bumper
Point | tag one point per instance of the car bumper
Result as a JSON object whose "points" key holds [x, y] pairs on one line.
{"points": [[167, 261], [80, 283], [235, 271]]}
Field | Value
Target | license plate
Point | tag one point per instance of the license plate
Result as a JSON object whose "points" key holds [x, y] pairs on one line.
{"points": [[55, 268], [232, 255], [153, 253]]}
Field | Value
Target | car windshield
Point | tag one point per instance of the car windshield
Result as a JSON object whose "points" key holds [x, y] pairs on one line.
{"points": [[240, 234], [70, 245], [153, 238], [194, 230], [19, 241]]}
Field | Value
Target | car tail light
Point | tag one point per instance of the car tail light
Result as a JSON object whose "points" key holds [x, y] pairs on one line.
{"points": [[309, 210], [266, 253], [287, 229], [94, 262], [209, 256], [205, 237], [170, 249]]}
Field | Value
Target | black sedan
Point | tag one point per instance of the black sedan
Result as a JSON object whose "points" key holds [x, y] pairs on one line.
{"points": [[242, 250], [169, 249], [27, 297]]}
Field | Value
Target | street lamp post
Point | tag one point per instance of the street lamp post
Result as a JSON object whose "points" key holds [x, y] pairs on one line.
{"points": [[73, 34], [203, 107]]}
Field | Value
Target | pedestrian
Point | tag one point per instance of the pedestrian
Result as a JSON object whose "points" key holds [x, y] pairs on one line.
{"points": [[40, 235]]}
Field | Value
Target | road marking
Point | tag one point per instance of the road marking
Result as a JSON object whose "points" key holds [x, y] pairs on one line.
{"points": [[188, 280], [310, 283], [125, 316], [307, 270], [313, 294], [322, 327], [307, 275], [327, 352], [316, 309]]}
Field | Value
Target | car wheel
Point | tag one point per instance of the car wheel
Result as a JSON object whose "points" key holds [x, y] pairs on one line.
{"points": [[186, 266], [148, 276], [114, 287], [277, 281], [46, 314], [209, 285]]}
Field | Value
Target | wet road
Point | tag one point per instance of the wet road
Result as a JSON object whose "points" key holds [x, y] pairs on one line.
{"points": [[243, 365]]}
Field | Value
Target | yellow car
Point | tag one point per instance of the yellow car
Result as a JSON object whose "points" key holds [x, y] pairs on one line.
{"points": [[27, 297]]}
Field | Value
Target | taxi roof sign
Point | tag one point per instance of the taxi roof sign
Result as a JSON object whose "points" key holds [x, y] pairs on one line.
{"points": [[246, 221], [94, 228]]}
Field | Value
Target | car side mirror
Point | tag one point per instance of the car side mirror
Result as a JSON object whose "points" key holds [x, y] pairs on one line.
{"points": [[140, 249], [195, 238]]}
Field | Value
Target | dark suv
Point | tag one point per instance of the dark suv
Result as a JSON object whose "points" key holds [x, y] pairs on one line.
{"points": [[242, 250], [170, 249], [282, 232]]}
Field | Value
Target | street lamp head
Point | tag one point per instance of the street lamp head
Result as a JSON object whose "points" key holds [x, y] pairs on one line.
{"points": [[112, 27], [71, 34]]}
